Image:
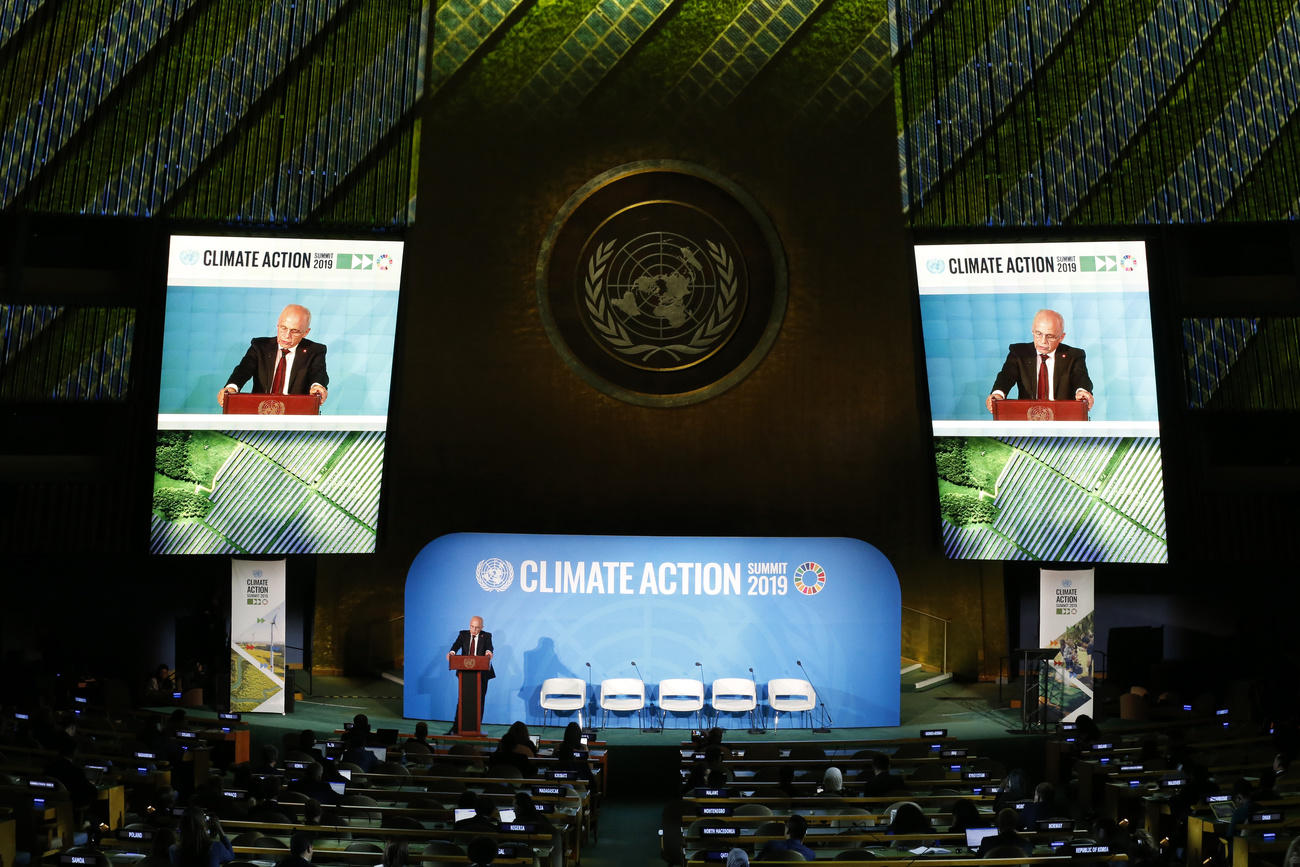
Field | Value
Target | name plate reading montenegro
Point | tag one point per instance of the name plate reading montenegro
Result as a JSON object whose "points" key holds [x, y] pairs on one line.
{"points": [[826, 610]]}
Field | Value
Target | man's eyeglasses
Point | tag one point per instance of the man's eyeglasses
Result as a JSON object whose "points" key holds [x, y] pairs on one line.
{"points": [[294, 332], [1047, 336]]}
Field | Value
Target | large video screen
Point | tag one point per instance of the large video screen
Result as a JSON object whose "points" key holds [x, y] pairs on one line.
{"points": [[273, 401], [1075, 475]]}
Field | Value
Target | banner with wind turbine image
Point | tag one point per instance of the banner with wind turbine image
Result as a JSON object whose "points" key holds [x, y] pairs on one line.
{"points": [[257, 625]]}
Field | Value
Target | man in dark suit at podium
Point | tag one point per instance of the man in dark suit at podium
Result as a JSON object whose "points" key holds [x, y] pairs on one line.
{"points": [[285, 364], [474, 642], [1046, 369]]}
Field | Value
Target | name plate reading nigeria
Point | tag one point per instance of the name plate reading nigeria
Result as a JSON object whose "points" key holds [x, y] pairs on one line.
{"points": [[518, 827]]}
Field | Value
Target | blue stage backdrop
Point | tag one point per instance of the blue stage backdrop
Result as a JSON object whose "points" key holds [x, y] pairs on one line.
{"points": [[555, 603]]}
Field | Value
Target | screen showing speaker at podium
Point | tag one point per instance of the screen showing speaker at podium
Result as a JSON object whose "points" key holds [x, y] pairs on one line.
{"points": [[273, 394], [1062, 331]]}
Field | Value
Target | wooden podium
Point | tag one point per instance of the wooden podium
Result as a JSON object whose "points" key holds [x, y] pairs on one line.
{"points": [[271, 404], [1039, 410], [471, 670]]}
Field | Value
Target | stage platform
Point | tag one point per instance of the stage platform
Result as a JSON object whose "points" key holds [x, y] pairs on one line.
{"points": [[970, 712]]}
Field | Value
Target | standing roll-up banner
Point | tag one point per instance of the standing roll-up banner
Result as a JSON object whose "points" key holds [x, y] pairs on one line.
{"points": [[257, 625], [1065, 622]]}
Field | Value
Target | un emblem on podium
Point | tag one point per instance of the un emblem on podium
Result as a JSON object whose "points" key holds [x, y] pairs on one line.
{"points": [[661, 283]]}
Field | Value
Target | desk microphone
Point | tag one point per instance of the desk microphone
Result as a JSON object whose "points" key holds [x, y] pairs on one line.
{"points": [[753, 727], [824, 728], [702, 693], [589, 692], [652, 727]]}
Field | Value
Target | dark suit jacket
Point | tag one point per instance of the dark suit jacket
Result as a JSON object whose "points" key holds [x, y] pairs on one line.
{"points": [[259, 363], [993, 841], [461, 646], [1021, 370], [478, 823], [883, 784]]}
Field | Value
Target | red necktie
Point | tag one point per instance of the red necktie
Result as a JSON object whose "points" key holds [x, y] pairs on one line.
{"points": [[472, 639], [277, 384], [1042, 376]]}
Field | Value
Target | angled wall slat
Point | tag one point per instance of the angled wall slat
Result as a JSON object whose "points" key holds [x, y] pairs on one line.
{"points": [[1218, 163], [73, 93]]}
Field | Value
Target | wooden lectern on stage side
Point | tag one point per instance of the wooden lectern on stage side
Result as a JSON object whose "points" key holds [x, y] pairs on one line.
{"points": [[471, 671], [271, 404], [1039, 410]]}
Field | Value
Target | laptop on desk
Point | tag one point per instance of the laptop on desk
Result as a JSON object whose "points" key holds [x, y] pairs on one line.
{"points": [[975, 836]]}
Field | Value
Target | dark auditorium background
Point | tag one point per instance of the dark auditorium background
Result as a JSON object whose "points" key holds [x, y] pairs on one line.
{"points": [[462, 127]]}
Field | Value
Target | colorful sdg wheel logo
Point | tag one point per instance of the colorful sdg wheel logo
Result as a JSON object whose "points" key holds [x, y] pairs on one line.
{"points": [[809, 578]]}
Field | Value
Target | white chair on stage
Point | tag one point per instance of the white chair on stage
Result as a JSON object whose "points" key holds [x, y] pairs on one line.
{"points": [[622, 695], [734, 695], [790, 695], [681, 695], [563, 695]]}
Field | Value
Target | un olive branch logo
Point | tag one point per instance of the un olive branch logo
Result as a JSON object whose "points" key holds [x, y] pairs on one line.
{"points": [[702, 339]]}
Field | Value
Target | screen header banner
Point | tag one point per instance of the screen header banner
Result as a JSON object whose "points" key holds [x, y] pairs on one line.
{"points": [[1076, 266], [210, 260], [825, 610]]}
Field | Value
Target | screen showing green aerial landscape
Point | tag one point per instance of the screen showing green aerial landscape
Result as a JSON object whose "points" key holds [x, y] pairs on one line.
{"points": [[273, 483], [1043, 489]]}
